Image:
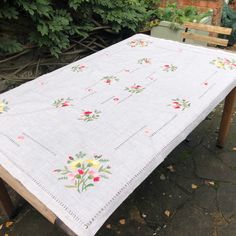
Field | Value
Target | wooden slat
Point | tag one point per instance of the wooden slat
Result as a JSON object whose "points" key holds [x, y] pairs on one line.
{"points": [[204, 38], [208, 28], [28, 196]]}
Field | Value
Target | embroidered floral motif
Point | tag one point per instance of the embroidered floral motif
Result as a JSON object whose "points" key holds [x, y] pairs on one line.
{"points": [[135, 88], [62, 102], [224, 63], [180, 104], [84, 171], [3, 106], [21, 137], [144, 61], [169, 67], [110, 79], [90, 115], [138, 43], [78, 68]]}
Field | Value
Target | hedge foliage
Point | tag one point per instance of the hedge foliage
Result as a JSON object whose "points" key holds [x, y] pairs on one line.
{"points": [[51, 24]]}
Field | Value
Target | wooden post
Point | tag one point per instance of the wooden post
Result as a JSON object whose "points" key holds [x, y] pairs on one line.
{"points": [[226, 118], [5, 200]]}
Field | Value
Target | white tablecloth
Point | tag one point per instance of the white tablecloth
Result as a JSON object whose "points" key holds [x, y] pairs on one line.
{"points": [[83, 137]]}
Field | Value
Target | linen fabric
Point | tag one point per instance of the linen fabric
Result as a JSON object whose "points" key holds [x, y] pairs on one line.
{"points": [[83, 137]]}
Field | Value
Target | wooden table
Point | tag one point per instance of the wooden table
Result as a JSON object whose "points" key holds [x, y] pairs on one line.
{"points": [[133, 102]]}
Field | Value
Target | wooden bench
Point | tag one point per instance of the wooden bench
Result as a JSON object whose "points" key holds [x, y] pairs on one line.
{"points": [[211, 39]]}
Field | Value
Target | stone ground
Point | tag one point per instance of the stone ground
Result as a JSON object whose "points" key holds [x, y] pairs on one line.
{"points": [[193, 192]]}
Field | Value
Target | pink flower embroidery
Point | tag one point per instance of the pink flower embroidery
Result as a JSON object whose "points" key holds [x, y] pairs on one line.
{"points": [[90, 115], [91, 172], [78, 68], [96, 179], [63, 102], [20, 137], [71, 176], [169, 67], [66, 104], [138, 43], [135, 88], [80, 171], [87, 113], [176, 105], [144, 61], [180, 104], [110, 79]]}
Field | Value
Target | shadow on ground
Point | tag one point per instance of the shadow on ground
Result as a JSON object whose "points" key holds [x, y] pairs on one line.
{"points": [[193, 192]]}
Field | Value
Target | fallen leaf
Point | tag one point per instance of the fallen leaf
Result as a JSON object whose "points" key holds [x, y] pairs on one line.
{"points": [[162, 177], [212, 183], [167, 213], [144, 215], [171, 168], [1, 227], [8, 224], [5, 234], [108, 226], [194, 186], [234, 149], [122, 221]]}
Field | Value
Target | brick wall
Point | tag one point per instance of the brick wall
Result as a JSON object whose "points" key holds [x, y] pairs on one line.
{"points": [[202, 5]]}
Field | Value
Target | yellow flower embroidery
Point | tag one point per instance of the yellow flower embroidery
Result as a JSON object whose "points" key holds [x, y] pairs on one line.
{"points": [[3, 106], [75, 164], [219, 64], [95, 163], [224, 63]]}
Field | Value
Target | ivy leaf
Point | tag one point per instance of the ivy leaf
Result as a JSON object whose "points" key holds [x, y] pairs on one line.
{"points": [[43, 29]]}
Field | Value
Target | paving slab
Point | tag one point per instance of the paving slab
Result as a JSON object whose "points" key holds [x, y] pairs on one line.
{"points": [[189, 220], [227, 230], [205, 197], [226, 197], [210, 166]]}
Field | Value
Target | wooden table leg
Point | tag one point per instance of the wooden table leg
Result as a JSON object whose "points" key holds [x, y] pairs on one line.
{"points": [[5, 200], [226, 118]]}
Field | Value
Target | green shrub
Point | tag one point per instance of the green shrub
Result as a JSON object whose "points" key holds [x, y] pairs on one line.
{"points": [[179, 15], [51, 24]]}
